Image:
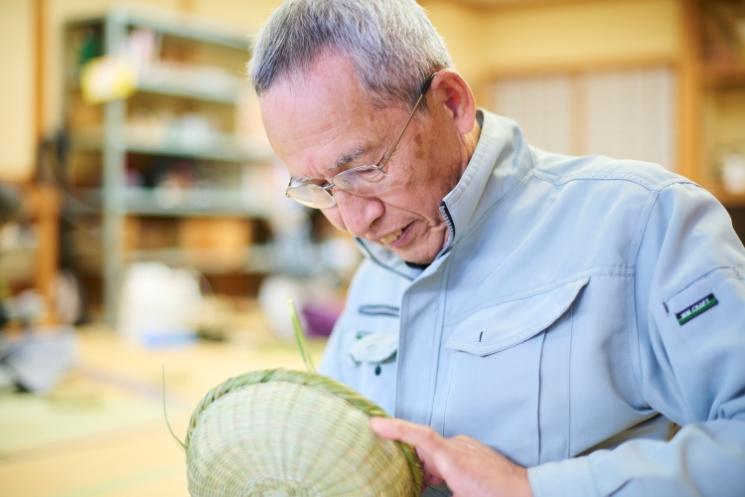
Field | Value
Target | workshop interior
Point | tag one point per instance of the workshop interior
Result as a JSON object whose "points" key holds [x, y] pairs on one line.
{"points": [[147, 248]]}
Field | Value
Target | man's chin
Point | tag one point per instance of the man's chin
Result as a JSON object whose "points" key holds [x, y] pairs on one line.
{"points": [[415, 257], [420, 254]]}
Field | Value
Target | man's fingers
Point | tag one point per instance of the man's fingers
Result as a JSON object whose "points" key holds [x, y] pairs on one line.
{"points": [[421, 437], [430, 446]]}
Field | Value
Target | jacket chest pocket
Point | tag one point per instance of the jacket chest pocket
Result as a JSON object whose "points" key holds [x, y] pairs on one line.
{"points": [[499, 358], [373, 350]]}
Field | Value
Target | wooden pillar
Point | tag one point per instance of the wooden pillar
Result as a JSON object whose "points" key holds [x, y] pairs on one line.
{"points": [[42, 199], [689, 97]]}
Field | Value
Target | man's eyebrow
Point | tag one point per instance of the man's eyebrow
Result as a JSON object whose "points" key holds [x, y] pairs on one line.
{"points": [[351, 156]]}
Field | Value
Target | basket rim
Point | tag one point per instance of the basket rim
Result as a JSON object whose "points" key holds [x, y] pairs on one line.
{"points": [[316, 381]]}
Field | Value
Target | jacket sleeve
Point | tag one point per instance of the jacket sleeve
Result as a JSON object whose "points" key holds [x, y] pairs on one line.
{"points": [[690, 313]]}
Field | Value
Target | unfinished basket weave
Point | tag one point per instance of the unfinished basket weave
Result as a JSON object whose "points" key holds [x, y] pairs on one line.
{"points": [[277, 432]]}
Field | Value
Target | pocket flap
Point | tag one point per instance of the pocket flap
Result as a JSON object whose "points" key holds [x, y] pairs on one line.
{"points": [[506, 324], [375, 347]]}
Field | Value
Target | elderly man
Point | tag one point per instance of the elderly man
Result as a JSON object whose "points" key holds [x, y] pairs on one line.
{"points": [[544, 323]]}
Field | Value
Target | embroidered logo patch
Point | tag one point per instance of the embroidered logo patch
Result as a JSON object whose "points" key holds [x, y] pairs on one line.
{"points": [[696, 309]]}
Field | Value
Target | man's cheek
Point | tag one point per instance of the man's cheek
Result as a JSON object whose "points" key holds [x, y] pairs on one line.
{"points": [[335, 219]]}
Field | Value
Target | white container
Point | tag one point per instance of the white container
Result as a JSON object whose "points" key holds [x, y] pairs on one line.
{"points": [[158, 305]]}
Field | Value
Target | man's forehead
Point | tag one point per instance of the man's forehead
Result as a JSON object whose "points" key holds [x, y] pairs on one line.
{"points": [[330, 73], [321, 146], [313, 108], [323, 120]]}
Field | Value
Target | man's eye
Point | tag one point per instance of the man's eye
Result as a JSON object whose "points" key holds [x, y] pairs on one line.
{"points": [[368, 174], [367, 171]]}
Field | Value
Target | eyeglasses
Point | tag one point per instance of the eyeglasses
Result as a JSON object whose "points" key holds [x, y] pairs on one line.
{"points": [[365, 180]]}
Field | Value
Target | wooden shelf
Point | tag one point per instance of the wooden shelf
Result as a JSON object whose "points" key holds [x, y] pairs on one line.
{"points": [[192, 203], [222, 148], [193, 63], [173, 24], [185, 89], [183, 26], [184, 203]]}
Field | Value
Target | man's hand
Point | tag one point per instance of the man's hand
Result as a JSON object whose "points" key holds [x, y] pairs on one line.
{"points": [[468, 467]]}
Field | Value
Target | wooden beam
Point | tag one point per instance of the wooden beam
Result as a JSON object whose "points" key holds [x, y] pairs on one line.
{"points": [[580, 67], [498, 6]]}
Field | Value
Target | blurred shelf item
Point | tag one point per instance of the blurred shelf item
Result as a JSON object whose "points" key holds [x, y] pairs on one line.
{"points": [[225, 253], [724, 76], [183, 82], [258, 259], [29, 245], [729, 199], [166, 159]]}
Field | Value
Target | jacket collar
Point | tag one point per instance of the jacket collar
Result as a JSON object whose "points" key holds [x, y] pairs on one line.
{"points": [[501, 161]]}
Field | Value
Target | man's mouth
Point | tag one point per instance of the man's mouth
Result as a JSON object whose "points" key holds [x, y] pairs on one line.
{"points": [[392, 237]]}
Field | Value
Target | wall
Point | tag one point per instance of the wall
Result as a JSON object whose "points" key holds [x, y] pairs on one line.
{"points": [[242, 15], [583, 32], [460, 26], [16, 90], [484, 43], [550, 36]]}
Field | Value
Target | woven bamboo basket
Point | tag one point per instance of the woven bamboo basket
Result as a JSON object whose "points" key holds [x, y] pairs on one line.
{"points": [[277, 433]]}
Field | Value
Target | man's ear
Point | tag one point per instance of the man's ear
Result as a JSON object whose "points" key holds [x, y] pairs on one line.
{"points": [[451, 91]]}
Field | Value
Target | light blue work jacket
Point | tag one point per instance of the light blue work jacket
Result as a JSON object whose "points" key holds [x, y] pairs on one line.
{"points": [[580, 306]]}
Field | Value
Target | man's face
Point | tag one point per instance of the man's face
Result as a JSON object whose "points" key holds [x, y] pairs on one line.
{"points": [[324, 122]]}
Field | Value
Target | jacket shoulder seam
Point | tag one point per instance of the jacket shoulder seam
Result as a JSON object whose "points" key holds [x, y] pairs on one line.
{"points": [[651, 186]]}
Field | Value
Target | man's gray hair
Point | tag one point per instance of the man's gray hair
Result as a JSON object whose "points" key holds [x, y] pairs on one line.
{"points": [[391, 43]]}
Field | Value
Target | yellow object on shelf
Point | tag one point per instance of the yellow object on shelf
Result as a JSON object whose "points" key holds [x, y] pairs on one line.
{"points": [[107, 78]]}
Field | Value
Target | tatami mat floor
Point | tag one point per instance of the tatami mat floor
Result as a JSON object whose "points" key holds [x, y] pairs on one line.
{"points": [[101, 432]]}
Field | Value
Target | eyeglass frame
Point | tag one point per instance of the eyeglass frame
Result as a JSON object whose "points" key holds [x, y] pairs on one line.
{"points": [[379, 166]]}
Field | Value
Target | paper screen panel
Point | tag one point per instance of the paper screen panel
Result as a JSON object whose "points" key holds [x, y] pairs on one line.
{"points": [[631, 114], [543, 108]]}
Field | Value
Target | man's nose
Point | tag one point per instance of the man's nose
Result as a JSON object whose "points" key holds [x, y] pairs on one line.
{"points": [[358, 213]]}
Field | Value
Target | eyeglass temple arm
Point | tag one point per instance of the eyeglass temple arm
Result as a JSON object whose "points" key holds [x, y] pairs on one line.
{"points": [[423, 90]]}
